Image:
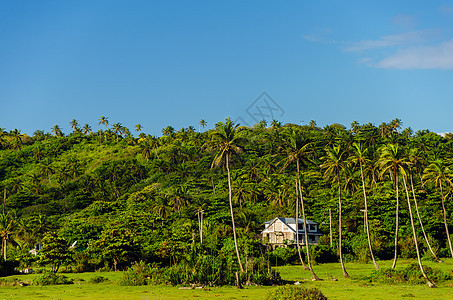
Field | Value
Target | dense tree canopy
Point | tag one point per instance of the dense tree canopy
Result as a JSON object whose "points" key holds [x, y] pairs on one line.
{"points": [[135, 199]]}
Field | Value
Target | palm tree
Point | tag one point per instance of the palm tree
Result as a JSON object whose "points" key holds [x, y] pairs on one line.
{"points": [[87, 129], [17, 140], [392, 160], [46, 168], [167, 131], [146, 148], [117, 129], [138, 128], [104, 121], [416, 161], [74, 124], [6, 229], [428, 282], [355, 126], [226, 140], [39, 135], [297, 150], [359, 157], [203, 124], [57, 131], [334, 166], [437, 172]]}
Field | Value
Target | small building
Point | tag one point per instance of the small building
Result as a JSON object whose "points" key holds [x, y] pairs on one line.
{"points": [[281, 232]]}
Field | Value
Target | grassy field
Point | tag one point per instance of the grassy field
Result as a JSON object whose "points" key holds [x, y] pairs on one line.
{"points": [[352, 288]]}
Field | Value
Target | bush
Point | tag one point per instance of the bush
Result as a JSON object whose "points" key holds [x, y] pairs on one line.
{"points": [[410, 274], [51, 279], [7, 267], [98, 279], [295, 292], [136, 274], [322, 252], [282, 256]]}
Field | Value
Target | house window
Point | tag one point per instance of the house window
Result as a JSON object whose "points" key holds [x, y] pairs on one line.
{"points": [[312, 227]]}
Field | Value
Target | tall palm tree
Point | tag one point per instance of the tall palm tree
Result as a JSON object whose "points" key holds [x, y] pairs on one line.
{"points": [[203, 124], [6, 229], [359, 157], [334, 166], [117, 129], [416, 162], [297, 150], [393, 160], [74, 124], [87, 129], [57, 131], [17, 140], [226, 139], [428, 282], [167, 131], [47, 169], [437, 172], [138, 128], [104, 121]]}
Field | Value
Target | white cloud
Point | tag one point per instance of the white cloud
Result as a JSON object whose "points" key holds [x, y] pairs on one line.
{"points": [[420, 57], [402, 39]]}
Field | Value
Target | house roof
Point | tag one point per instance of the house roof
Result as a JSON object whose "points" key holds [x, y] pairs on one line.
{"points": [[291, 221], [288, 221]]}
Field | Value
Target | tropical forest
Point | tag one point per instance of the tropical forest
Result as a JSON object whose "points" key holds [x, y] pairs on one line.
{"points": [[186, 209]]}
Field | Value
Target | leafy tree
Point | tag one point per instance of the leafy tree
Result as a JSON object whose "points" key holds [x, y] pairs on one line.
{"points": [[117, 246], [55, 251]]}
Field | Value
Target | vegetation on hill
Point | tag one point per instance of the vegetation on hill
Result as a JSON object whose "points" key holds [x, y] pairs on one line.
{"points": [[126, 199]]}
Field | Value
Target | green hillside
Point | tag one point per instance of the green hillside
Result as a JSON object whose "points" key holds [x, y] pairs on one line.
{"points": [[126, 199]]}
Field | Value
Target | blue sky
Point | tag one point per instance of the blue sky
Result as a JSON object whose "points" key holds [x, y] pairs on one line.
{"points": [[161, 63]]}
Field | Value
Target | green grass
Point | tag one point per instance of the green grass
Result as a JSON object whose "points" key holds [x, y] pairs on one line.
{"points": [[352, 288]]}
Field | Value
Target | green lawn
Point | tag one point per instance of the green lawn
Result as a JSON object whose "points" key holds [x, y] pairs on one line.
{"points": [[352, 288]]}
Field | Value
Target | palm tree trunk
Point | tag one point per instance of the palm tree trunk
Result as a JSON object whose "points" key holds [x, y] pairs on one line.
{"points": [[428, 282], [313, 275], [421, 223], [232, 215], [330, 227], [445, 218], [345, 274], [4, 248], [367, 226], [297, 230], [396, 222]]}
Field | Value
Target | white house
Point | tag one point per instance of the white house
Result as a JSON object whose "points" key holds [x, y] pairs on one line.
{"points": [[281, 232]]}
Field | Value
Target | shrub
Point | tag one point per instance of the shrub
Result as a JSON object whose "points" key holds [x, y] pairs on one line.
{"points": [[98, 279], [410, 274], [8, 267], [282, 256], [295, 292], [48, 278], [136, 274]]}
